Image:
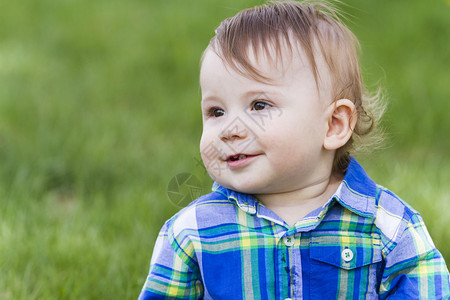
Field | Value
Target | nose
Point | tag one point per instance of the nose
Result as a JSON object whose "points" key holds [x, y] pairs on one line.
{"points": [[235, 130]]}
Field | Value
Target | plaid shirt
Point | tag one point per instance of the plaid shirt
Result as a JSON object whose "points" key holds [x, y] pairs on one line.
{"points": [[365, 243]]}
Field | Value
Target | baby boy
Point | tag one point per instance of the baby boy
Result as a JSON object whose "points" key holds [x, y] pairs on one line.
{"points": [[292, 214]]}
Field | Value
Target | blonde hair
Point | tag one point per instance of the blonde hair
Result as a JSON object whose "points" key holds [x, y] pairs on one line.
{"points": [[315, 26]]}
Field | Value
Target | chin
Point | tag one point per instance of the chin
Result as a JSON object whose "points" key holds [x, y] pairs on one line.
{"points": [[245, 187]]}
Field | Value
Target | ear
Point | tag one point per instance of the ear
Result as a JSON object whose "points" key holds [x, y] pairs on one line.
{"points": [[341, 122]]}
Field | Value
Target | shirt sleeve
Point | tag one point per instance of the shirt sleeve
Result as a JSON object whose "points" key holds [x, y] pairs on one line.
{"points": [[173, 274], [414, 268]]}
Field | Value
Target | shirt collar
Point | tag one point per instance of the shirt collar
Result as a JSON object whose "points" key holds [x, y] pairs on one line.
{"points": [[357, 193], [245, 202]]}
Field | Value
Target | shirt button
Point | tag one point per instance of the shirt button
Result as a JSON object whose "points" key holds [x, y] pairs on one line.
{"points": [[347, 255], [289, 240]]}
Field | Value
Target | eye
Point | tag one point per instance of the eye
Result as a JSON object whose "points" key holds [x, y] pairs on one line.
{"points": [[260, 105], [216, 112]]}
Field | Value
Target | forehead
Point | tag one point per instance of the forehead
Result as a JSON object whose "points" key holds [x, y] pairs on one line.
{"points": [[220, 82], [275, 62], [265, 64]]}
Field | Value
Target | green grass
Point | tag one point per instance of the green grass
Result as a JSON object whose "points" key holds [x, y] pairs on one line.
{"points": [[99, 109]]}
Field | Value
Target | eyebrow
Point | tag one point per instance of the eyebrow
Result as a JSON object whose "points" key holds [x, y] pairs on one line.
{"points": [[257, 93], [209, 98]]}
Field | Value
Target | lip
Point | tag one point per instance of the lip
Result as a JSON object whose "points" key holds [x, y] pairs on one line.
{"points": [[234, 164]]}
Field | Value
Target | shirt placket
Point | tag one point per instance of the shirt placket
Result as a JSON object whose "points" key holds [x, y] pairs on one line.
{"points": [[287, 257], [289, 275]]}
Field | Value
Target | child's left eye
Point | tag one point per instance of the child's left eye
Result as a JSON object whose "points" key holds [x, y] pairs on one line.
{"points": [[259, 105]]}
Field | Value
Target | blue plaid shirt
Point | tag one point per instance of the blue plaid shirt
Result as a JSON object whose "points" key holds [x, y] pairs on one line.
{"points": [[365, 243]]}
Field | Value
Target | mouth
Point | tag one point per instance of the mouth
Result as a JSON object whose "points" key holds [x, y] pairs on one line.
{"points": [[237, 157], [240, 160]]}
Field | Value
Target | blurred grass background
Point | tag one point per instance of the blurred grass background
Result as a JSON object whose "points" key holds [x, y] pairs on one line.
{"points": [[99, 109]]}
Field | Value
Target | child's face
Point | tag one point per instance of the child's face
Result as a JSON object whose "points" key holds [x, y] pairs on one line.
{"points": [[261, 138]]}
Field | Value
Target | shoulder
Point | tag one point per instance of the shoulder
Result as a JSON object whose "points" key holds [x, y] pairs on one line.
{"points": [[398, 222], [413, 267], [388, 202], [391, 215], [208, 211]]}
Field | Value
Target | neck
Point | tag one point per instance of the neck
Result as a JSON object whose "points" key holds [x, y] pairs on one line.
{"points": [[293, 205]]}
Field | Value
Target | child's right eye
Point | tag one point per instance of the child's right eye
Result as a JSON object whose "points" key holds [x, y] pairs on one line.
{"points": [[260, 105], [216, 112]]}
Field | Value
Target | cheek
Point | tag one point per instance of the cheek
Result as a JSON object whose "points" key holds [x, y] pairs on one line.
{"points": [[204, 142], [290, 140], [208, 147]]}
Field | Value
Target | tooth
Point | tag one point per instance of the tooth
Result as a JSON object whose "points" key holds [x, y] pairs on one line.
{"points": [[242, 156]]}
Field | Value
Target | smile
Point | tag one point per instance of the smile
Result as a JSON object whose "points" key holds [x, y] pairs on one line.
{"points": [[237, 157], [239, 160]]}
